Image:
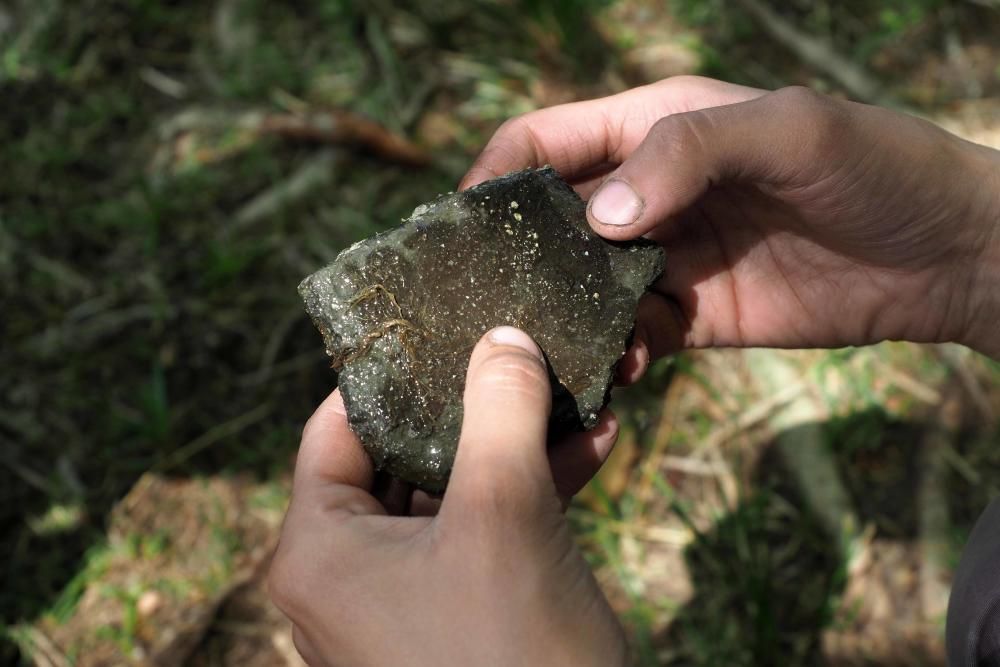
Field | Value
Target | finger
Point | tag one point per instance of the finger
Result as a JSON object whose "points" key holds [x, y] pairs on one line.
{"points": [[424, 504], [772, 140], [310, 655], [501, 460], [587, 187], [665, 328], [330, 452], [697, 284], [393, 493], [332, 462], [578, 137], [634, 363], [578, 457], [572, 138]]}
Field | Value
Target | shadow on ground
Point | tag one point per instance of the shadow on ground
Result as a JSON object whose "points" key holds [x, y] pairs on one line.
{"points": [[772, 587]]}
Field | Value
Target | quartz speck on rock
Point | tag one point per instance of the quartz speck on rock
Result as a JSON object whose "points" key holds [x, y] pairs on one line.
{"points": [[400, 313]]}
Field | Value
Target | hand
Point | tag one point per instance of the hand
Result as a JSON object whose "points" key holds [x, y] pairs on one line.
{"points": [[789, 219], [493, 579]]}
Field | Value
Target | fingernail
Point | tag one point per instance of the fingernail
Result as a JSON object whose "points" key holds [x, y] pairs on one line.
{"points": [[515, 338], [616, 203]]}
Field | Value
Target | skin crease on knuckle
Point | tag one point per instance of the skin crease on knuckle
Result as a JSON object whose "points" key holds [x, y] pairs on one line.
{"points": [[509, 375], [820, 124], [514, 138], [491, 507], [677, 135]]}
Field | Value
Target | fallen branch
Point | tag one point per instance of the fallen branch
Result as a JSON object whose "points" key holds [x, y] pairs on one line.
{"points": [[40, 647], [957, 360], [801, 442], [213, 435], [909, 384], [204, 135], [820, 54], [677, 537], [344, 128], [932, 501], [316, 173]]}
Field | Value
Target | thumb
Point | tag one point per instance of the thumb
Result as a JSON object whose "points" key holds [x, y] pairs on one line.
{"points": [[776, 139], [501, 461]]}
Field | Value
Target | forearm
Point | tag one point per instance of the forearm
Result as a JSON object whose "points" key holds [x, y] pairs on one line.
{"points": [[983, 318]]}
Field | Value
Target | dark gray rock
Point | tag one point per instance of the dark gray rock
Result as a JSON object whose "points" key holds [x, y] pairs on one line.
{"points": [[401, 312]]}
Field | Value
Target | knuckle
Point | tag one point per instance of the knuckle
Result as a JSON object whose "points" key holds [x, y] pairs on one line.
{"points": [[282, 584], [513, 135], [511, 127], [682, 137], [493, 500], [800, 97], [684, 81], [666, 128], [681, 133], [822, 121], [513, 372], [510, 148]]}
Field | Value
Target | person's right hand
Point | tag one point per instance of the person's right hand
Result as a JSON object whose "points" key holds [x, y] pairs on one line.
{"points": [[789, 219]]}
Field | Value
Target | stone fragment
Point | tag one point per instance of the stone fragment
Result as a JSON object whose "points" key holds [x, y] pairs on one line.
{"points": [[400, 313]]}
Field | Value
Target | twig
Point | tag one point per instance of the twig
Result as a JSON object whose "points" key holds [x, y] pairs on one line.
{"points": [[933, 512], [234, 34], [159, 81], [299, 362], [386, 59], [956, 358], [344, 128], [754, 415], [802, 445], [212, 436], [955, 51], [334, 127], [661, 438], [63, 273], [42, 650], [273, 345], [960, 465], [690, 466], [910, 385], [313, 175], [678, 537], [728, 486], [709, 447], [27, 475], [820, 54], [76, 335]]}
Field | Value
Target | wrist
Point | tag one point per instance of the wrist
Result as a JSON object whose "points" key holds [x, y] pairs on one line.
{"points": [[982, 330]]}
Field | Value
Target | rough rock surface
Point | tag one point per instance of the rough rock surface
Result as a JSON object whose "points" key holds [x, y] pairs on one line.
{"points": [[400, 313]]}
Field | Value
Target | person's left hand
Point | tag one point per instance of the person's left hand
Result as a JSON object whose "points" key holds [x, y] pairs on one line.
{"points": [[494, 578]]}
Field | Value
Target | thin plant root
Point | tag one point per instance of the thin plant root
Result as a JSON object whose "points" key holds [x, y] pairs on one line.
{"points": [[400, 324], [370, 292], [405, 327]]}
